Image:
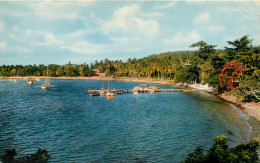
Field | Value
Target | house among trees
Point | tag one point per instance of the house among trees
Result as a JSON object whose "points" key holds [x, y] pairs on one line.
{"points": [[97, 72]]}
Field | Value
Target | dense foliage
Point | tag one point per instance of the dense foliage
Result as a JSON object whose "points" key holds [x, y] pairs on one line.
{"points": [[41, 70], [41, 156], [220, 152], [229, 74], [235, 69]]}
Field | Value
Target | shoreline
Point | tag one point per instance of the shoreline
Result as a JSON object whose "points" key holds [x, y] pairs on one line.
{"points": [[251, 109]]}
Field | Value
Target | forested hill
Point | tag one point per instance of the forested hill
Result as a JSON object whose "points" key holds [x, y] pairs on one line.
{"points": [[179, 53], [236, 68], [172, 54]]}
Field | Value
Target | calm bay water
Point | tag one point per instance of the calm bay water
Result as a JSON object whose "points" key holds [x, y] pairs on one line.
{"points": [[74, 127]]}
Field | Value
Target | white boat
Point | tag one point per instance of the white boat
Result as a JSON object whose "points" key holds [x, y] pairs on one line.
{"points": [[135, 92], [47, 84], [102, 92], [13, 80], [110, 95], [30, 81]]}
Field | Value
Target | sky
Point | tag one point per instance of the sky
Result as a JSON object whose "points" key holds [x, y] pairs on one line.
{"points": [[56, 32]]}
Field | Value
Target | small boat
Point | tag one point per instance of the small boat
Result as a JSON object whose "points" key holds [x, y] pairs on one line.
{"points": [[110, 95], [13, 80], [96, 94], [135, 92], [30, 81], [47, 83], [102, 92], [152, 91], [119, 93], [114, 93]]}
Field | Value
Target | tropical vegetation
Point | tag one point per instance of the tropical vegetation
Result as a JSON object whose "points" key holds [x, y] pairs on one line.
{"points": [[41, 156], [235, 69], [220, 152], [41, 70]]}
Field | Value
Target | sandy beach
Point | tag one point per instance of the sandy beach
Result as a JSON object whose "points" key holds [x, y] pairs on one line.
{"points": [[252, 109]]}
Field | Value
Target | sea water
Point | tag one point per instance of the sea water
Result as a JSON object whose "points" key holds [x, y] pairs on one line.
{"points": [[74, 127]]}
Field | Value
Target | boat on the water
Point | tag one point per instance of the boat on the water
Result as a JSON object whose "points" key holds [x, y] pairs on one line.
{"points": [[13, 80], [30, 81], [95, 94], [135, 92], [102, 92], [47, 84], [110, 95]]}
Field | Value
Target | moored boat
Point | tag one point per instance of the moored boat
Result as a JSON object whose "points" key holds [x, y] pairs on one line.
{"points": [[152, 91], [13, 80], [102, 92], [110, 95], [95, 94], [135, 91], [30, 81], [45, 86], [47, 83]]}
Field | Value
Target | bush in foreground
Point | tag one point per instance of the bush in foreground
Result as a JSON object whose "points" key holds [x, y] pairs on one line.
{"points": [[41, 156], [220, 152]]}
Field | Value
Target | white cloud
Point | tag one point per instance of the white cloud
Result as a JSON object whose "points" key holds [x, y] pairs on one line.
{"points": [[60, 10], [34, 37], [2, 45], [165, 6], [21, 49], [182, 41], [73, 42], [203, 17], [12, 12], [51, 39], [128, 21], [84, 47], [215, 28], [48, 10]]}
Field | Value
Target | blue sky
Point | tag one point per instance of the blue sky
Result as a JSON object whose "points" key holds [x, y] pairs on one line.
{"points": [[48, 32]]}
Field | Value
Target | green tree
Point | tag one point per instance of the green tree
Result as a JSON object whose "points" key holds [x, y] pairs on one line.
{"points": [[41, 156], [205, 50], [221, 153]]}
